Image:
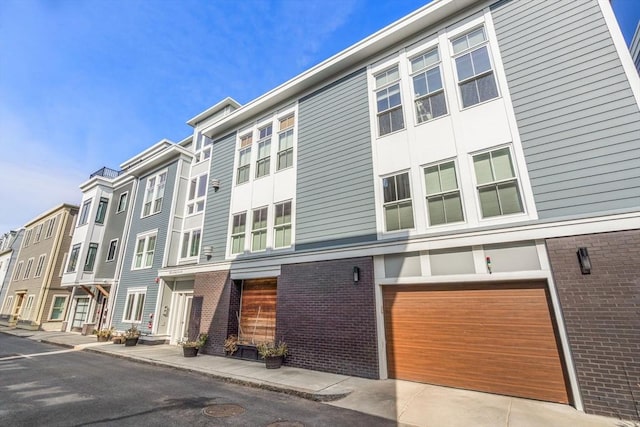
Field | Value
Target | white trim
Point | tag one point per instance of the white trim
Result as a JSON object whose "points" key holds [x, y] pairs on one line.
{"points": [[136, 291], [64, 307], [145, 235], [126, 203], [115, 252], [154, 195], [39, 266]]}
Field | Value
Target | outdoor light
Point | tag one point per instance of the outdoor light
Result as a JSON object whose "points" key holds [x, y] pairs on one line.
{"points": [[215, 184], [356, 274], [585, 262], [207, 251]]}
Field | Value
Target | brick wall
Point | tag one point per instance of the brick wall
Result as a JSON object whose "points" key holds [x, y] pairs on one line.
{"points": [[210, 309], [602, 315], [328, 321]]}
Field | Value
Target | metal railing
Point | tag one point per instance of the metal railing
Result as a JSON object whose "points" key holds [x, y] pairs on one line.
{"points": [[106, 173]]}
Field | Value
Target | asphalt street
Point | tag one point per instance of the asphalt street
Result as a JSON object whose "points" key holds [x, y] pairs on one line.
{"points": [[45, 385]]}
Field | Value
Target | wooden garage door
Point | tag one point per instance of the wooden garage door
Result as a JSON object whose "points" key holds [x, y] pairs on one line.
{"points": [[258, 311], [497, 338]]}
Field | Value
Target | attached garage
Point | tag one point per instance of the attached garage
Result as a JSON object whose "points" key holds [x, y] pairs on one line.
{"points": [[498, 338]]}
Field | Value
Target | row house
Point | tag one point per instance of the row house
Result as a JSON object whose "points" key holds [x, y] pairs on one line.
{"points": [[9, 245], [34, 298]]}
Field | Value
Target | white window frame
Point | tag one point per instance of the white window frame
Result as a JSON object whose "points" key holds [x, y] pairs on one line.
{"points": [[203, 147], [190, 237], [84, 213], [27, 307], [286, 132], [385, 87], [136, 314], [27, 238], [245, 143], [27, 269], [262, 231], [442, 194], [239, 236], [417, 98], [74, 256], [38, 233], [263, 163], [122, 205], [284, 226], [145, 253], [397, 201], [50, 227], [39, 266], [154, 189], [195, 202], [64, 307], [91, 258], [16, 274], [115, 250], [101, 211]]}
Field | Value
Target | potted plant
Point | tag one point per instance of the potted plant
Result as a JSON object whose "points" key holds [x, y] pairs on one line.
{"points": [[118, 339], [104, 335], [131, 336], [273, 354], [190, 348], [231, 345]]}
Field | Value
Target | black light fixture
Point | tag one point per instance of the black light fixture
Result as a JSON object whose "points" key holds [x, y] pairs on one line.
{"points": [[356, 274], [583, 259]]}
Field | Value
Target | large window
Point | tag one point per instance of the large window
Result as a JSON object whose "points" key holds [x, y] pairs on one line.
{"points": [[73, 258], [427, 86], [84, 213], [102, 210], [202, 148], [91, 257], [113, 250], [259, 230], [473, 64], [238, 233], [38, 233], [398, 209], [145, 248], [122, 202], [50, 227], [27, 270], [197, 193], [26, 309], [263, 164], [285, 143], [282, 225], [443, 195], [244, 159], [134, 305], [27, 238], [498, 189], [389, 101], [190, 244], [16, 275], [154, 193], [58, 307], [39, 266]]}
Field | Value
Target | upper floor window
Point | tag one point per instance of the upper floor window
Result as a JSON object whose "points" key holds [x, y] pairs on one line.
{"points": [[238, 232], [113, 250], [102, 210], [27, 238], [145, 248], [38, 233], [398, 209], [203, 149], [498, 189], [50, 227], [244, 159], [27, 270], [122, 202], [190, 244], [263, 163], [444, 204], [428, 91], [197, 193], [282, 225], [389, 102], [285, 143], [91, 257], [475, 74], [84, 213], [259, 230], [73, 258], [16, 275], [154, 193], [39, 266]]}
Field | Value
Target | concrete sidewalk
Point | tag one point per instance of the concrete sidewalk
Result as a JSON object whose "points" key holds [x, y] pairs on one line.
{"points": [[408, 403]]}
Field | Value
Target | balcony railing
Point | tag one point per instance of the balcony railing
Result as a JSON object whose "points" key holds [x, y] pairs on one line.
{"points": [[106, 173]]}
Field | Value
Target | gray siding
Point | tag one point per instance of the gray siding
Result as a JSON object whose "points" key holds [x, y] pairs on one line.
{"points": [[577, 117], [216, 220], [145, 277], [114, 229], [15, 248], [335, 198]]}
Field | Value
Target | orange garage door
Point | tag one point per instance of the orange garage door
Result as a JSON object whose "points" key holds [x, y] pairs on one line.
{"points": [[497, 338]]}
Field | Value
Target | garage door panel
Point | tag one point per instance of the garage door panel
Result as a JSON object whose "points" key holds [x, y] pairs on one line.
{"points": [[497, 338]]}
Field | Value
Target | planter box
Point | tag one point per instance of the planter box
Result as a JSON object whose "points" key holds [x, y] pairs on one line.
{"points": [[273, 362], [247, 352], [190, 351], [130, 342]]}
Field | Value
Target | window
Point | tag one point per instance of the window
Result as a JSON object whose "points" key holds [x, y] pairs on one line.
{"points": [[16, 275], [145, 247], [473, 65], [263, 164], [122, 202], [102, 210], [190, 244], [285, 143], [64, 263], [497, 183], [282, 226], [91, 257], [134, 305], [38, 233], [8, 305], [203, 149], [153, 194], [427, 86], [398, 210], [57, 308], [50, 228], [237, 233], [27, 238], [26, 309], [389, 102], [73, 258], [244, 164], [27, 270], [259, 230], [443, 195], [197, 193], [84, 213], [113, 249], [39, 266]]}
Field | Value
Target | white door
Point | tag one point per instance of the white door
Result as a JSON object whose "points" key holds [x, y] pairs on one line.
{"points": [[181, 312]]}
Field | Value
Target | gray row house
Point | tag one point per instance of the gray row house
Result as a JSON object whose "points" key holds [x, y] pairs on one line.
{"points": [[453, 200]]}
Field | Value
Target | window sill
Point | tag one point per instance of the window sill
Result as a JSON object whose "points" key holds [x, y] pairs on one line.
{"points": [[479, 103]]}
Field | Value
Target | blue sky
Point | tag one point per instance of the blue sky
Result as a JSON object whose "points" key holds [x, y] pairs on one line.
{"points": [[86, 84]]}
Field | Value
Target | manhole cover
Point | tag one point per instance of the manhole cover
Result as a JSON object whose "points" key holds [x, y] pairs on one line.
{"points": [[286, 424], [223, 410]]}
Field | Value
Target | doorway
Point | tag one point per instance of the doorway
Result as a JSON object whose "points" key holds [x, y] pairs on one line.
{"points": [[181, 309]]}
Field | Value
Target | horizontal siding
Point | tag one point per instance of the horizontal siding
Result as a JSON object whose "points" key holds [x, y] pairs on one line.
{"points": [[114, 230], [578, 120], [335, 199], [216, 220]]}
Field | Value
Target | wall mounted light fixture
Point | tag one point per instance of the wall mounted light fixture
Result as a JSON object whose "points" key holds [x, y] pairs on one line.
{"points": [[207, 251], [356, 274], [215, 184], [584, 260]]}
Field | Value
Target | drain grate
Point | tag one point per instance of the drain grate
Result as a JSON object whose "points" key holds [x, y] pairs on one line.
{"points": [[286, 424], [222, 410]]}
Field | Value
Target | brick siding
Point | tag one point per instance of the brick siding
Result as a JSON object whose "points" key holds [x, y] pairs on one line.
{"points": [[210, 312], [327, 320], [602, 316]]}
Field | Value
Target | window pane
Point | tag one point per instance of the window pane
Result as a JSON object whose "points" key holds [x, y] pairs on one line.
{"points": [[460, 44], [510, 198], [185, 245], [487, 88], [195, 243], [237, 244], [129, 307], [389, 189], [397, 120], [480, 59], [453, 207], [152, 243], [402, 181], [436, 211], [448, 176], [482, 165], [406, 215], [286, 140], [139, 307], [502, 166], [464, 67], [420, 85], [469, 92], [202, 185], [438, 105], [391, 217], [476, 37], [434, 80], [489, 202], [394, 95], [432, 180], [384, 123]]}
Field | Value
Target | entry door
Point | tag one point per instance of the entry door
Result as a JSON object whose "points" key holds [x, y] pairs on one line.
{"points": [[182, 313], [18, 306], [82, 309]]}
